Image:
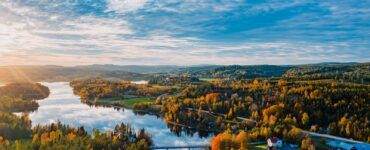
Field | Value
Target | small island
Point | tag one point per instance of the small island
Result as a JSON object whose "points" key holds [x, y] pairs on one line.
{"points": [[101, 92]]}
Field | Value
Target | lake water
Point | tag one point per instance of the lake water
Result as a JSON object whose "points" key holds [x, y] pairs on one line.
{"points": [[66, 107]]}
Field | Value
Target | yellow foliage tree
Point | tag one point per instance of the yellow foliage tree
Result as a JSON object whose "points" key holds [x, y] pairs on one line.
{"points": [[227, 141], [272, 120], [305, 119], [222, 141], [307, 144], [3, 141], [44, 139], [295, 133], [265, 132], [242, 138], [212, 98], [71, 136]]}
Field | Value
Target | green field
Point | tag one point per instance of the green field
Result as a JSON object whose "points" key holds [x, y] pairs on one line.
{"points": [[128, 103], [206, 79]]}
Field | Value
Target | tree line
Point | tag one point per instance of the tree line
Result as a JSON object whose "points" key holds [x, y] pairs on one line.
{"points": [[95, 88], [280, 107]]}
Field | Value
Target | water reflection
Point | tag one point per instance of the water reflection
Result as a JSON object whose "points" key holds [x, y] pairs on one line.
{"points": [[63, 106], [181, 129], [117, 108]]}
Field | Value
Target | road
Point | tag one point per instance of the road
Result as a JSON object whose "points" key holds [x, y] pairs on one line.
{"points": [[224, 115]]}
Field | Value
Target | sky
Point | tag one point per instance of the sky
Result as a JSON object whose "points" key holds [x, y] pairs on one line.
{"points": [[183, 32]]}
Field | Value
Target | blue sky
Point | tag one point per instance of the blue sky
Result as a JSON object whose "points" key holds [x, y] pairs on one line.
{"points": [[183, 32]]}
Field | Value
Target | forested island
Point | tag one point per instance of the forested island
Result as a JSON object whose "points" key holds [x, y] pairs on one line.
{"points": [[98, 91]]}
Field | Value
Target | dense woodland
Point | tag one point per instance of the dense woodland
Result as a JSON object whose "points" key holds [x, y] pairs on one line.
{"points": [[26, 91], [18, 97], [96, 88], [16, 132], [239, 104], [348, 72], [236, 71], [244, 111], [260, 108], [173, 80], [279, 108], [58, 136]]}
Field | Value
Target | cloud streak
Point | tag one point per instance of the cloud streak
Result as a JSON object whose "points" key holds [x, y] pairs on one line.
{"points": [[123, 6], [182, 32]]}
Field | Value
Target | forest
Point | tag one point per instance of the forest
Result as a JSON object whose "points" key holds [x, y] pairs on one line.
{"points": [[252, 110], [237, 104], [101, 88], [236, 71], [347, 72], [264, 108], [20, 97]]}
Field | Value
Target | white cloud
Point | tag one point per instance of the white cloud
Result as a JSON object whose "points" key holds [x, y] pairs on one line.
{"points": [[190, 6], [123, 6], [29, 36], [90, 26]]}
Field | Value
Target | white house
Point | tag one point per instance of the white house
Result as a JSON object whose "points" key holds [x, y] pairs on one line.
{"points": [[274, 143]]}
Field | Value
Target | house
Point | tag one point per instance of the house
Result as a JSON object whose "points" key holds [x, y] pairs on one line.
{"points": [[274, 143]]}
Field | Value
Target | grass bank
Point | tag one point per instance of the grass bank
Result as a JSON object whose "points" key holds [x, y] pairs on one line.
{"points": [[125, 102]]}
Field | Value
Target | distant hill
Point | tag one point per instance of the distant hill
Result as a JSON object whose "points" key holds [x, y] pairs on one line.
{"points": [[58, 73], [133, 68], [353, 72], [236, 71]]}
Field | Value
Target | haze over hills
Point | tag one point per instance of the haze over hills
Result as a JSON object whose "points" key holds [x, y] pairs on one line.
{"points": [[59, 73], [353, 71], [133, 68]]}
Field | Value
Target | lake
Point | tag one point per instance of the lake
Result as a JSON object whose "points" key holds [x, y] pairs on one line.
{"points": [[62, 105]]}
